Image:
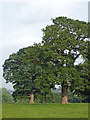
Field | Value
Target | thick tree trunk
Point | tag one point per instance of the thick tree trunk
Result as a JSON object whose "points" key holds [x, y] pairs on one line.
{"points": [[64, 93], [31, 98]]}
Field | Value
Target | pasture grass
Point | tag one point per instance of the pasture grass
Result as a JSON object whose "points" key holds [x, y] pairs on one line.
{"points": [[49, 110]]}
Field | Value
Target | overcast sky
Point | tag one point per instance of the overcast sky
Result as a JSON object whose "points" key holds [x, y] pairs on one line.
{"points": [[21, 22]]}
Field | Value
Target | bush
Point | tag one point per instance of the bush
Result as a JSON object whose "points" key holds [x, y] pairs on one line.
{"points": [[5, 96]]}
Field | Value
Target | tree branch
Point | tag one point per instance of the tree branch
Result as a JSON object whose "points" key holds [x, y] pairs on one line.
{"points": [[76, 57]]}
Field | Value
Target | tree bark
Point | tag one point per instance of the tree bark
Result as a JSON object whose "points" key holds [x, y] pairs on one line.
{"points": [[64, 93], [31, 98]]}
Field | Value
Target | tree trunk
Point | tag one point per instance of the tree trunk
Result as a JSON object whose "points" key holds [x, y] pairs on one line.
{"points": [[31, 98], [64, 93]]}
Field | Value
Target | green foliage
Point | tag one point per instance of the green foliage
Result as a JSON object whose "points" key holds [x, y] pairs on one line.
{"points": [[63, 42], [66, 40], [51, 97], [36, 69], [28, 73], [22, 100], [76, 98], [5, 96], [82, 88]]}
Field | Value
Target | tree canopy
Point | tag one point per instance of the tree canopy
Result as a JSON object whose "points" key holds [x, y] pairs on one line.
{"points": [[64, 42], [28, 73]]}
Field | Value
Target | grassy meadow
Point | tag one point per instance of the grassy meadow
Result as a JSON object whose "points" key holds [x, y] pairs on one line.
{"points": [[53, 110]]}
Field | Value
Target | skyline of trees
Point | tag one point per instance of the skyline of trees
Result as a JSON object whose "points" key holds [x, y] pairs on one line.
{"points": [[38, 68]]}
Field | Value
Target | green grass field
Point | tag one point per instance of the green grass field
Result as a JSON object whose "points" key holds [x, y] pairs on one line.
{"points": [[71, 110]]}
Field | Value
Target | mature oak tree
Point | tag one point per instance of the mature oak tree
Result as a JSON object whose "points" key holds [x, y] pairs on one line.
{"points": [[63, 43], [28, 74]]}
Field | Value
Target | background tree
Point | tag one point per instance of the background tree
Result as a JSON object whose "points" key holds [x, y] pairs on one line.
{"points": [[5, 96], [63, 43]]}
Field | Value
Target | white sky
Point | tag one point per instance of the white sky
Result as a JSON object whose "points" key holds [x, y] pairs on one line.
{"points": [[21, 22]]}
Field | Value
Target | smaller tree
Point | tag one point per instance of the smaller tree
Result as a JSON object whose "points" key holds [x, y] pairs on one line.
{"points": [[28, 74]]}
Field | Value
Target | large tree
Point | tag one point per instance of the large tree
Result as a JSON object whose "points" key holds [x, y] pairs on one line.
{"points": [[28, 74], [63, 43]]}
